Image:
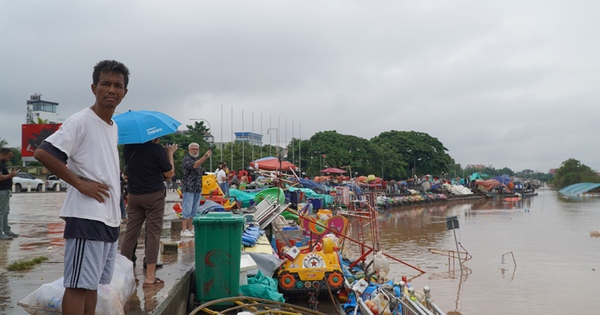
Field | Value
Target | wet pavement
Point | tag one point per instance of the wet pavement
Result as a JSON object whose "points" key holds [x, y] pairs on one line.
{"points": [[35, 216]]}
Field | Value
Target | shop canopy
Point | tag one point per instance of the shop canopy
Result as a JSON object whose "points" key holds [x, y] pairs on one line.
{"points": [[333, 170], [271, 163]]}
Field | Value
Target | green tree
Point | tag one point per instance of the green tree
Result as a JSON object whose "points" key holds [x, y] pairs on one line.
{"points": [[199, 131], [573, 171], [196, 133], [16, 158], [385, 162], [506, 171], [331, 149], [421, 153]]}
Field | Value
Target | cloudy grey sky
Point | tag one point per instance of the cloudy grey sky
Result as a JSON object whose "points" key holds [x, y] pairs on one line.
{"points": [[501, 83]]}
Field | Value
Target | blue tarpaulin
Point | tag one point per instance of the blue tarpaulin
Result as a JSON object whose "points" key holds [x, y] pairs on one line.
{"points": [[503, 179]]}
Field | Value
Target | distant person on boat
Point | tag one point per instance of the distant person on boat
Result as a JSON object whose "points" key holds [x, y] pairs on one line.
{"points": [[426, 185], [191, 186]]}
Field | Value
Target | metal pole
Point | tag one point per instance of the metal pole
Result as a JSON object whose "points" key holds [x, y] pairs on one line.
{"points": [[222, 146], [300, 149], [243, 142], [252, 145], [232, 142], [457, 251]]}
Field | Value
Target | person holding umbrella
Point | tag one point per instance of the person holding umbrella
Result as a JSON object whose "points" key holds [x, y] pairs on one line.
{"points": [[147, 166], [88, 141]]}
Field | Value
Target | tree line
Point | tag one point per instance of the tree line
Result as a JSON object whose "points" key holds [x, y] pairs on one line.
{"points": [[390, 155]]}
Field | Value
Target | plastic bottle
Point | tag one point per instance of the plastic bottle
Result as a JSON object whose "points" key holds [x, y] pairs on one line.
{"points": [[382, 305]]}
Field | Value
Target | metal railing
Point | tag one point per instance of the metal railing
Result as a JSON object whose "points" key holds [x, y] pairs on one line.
{"points": [[407, 304]]}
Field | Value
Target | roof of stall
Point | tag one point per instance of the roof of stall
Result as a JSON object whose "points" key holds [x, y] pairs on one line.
{"points": [[579, 188]]}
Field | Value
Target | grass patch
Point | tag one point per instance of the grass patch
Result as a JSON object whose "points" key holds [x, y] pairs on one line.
{"points": [[26, 264]]}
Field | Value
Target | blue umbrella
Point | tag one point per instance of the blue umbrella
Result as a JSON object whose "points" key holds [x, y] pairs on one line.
{"points": [[139, 126]]}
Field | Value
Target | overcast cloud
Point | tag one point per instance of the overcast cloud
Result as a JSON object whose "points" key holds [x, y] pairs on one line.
{"points": [[502, 83]]}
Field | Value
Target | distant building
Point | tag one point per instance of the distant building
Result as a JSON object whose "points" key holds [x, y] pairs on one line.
{"points": [[40, 109], [251, 137], [552, 171], [478, 166]]}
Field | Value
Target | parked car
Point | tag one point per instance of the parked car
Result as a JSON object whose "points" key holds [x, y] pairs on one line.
{"points": [[22, 180], [53, 181]]}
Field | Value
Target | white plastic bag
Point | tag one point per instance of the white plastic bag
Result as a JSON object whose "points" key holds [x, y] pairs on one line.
{"points": [[47, 299]]}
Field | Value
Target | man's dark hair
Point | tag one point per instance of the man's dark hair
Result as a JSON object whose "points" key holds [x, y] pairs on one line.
{"points": [[5, 151], [110, 66]]}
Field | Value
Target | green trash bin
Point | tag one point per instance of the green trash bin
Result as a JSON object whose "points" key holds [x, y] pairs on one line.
{"points": [[218, 250]]}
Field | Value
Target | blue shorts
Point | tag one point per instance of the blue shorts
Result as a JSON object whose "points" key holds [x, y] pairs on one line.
{"points": [[190, 204], [88, 263]]}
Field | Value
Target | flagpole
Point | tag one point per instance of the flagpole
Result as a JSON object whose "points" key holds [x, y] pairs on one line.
{"points": [[286, 142], [293, 142], [252, 158], [242, 142], [232, 136], [222, 144], [300, 149]]}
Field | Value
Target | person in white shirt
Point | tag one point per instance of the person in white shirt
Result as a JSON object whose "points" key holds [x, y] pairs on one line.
{"points": [[222, 178], [88, 141]]}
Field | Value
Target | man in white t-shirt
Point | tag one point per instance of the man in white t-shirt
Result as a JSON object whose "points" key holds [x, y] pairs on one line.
{"points": [[88, 141], [222, 178]]}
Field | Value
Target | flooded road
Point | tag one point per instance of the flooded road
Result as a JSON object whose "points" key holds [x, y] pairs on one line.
{"points": [[557, 267], [35, 217]]}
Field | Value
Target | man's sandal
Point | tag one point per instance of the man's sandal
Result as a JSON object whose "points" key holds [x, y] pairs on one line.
{"points": [[157, 281]]}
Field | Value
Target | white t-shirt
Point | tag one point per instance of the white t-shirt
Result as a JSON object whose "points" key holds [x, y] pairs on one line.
{"points": [[91, 147], [221, 176]]}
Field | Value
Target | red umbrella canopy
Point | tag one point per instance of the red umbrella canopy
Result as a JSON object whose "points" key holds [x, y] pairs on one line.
{"points": [[332, 170], [272, 164]]}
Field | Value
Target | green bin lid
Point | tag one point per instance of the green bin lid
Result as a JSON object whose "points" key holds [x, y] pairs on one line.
{"points": [[218, 217]]}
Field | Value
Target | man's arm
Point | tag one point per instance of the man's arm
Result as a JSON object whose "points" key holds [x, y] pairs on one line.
{"points": [[8, 176], [202, 159], [170, 149], [92, 189]]}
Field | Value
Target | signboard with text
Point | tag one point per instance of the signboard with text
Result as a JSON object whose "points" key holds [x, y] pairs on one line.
{"points": [[32, 135]]}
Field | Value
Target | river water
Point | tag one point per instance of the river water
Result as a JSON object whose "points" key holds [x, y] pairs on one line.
{"points": [[556, 266]]}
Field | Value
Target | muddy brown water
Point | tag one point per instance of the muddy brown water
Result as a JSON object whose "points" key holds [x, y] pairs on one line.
{"points": [[555, 270]]}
